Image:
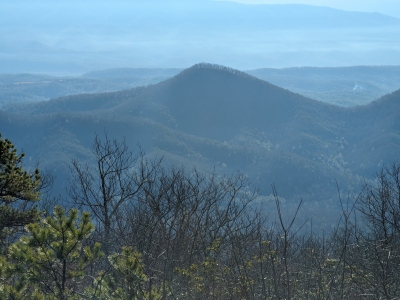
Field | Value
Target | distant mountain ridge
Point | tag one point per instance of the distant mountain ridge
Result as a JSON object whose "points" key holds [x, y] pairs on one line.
{"points": [[216, 117], [77, 37], [346, 86], [132, 73], [219, 90]]}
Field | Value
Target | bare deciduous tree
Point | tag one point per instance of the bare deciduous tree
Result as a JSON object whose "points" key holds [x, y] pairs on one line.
{"points": [[114, 179]]}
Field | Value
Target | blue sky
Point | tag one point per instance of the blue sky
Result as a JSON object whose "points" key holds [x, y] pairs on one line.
{"points": [[389, 7]]}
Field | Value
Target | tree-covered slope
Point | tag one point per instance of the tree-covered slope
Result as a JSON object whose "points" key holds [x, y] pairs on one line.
{"points": [[215, 117]]}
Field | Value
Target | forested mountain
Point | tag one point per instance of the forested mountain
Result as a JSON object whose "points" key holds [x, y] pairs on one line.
{"points": [[211, 116], [347, 86]]}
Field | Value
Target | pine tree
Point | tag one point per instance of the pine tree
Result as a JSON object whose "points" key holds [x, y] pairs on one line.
{"points": [[125, 280], [53, 258], [19, 189]]}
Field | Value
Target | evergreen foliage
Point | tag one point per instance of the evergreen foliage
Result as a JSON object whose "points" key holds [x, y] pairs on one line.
{"points": [[126, 280], [52, 262], [18, 190], [53, 257]]}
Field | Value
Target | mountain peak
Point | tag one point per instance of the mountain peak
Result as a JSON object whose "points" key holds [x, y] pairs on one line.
{"points": [[204, 65], [216, 67]]}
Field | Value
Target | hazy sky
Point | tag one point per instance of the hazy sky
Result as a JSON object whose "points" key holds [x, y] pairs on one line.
{"points": [[79, 36], [389, 7]]}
